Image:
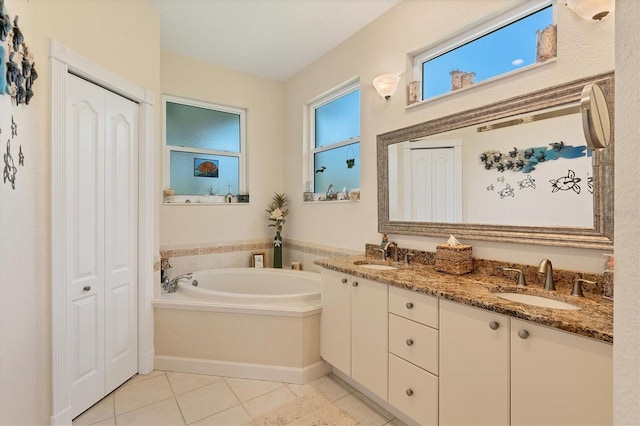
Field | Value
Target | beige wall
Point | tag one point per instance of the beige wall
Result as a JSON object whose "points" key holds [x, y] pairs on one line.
{"points": [[584, 49], [626, 318], [124, 37], [187, 225]]}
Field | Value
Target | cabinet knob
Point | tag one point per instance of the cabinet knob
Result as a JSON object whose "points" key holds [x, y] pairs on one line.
{"points": [[344, 281], [523, 334], [409, 305], [409, 392], [494, 325], [355, 284], [409, 342], [86, 288]]}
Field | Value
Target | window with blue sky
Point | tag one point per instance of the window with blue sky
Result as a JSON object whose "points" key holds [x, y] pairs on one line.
{"points": [[335, 140], [516, 42]]}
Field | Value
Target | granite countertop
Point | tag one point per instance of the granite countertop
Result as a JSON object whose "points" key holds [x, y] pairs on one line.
{"points": [[594, 319]]}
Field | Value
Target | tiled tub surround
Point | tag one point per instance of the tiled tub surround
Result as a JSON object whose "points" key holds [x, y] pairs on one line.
{"points": [[594, 319], [237, 254]]}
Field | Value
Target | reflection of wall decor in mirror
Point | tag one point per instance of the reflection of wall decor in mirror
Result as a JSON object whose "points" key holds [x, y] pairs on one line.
{"points": [[525, 173]]}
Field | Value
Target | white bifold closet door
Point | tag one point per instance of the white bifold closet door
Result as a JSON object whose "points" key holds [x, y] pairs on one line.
{"points": [[102, 202], [432, 194]]}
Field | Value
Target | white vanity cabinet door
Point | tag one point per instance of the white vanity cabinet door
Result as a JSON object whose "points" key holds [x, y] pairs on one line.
{"points": [[474, 366], [559, 378], [335, 320], [369, 334], [413, 391]]}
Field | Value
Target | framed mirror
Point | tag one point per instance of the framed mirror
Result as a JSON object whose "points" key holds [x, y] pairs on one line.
{"points": [[518, 170]]}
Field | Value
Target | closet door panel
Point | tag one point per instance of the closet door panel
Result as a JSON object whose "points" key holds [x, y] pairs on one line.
{"points": [[85, 247], [121, 215]]}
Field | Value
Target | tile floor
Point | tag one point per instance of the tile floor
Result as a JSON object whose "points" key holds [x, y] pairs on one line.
{"points": [[170, 398]]}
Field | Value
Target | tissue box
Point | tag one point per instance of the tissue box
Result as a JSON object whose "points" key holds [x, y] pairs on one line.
{"points": [[457, 260]]}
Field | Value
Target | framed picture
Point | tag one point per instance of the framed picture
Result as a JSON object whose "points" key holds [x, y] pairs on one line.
{"points": [[257, 260], [205, 168]]}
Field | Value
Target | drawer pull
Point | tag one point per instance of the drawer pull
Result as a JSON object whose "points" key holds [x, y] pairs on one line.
{"points": [[86, 288], [409, 342], [344, 281], [494, 325], [523, 334], [409, 305], [409, 392], [355, 284]]}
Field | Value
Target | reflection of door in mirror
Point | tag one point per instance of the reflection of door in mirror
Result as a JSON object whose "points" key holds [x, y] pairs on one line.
{"points": [[429, 186]]}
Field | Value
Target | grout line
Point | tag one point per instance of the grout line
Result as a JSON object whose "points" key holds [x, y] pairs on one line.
{"points": [[184, 421]]}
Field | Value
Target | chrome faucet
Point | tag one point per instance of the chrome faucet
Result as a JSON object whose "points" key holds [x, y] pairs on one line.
{"points": [[546, 269], [170, 285]]}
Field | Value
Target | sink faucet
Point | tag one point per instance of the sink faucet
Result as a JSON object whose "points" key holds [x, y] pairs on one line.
{"points": [[546, 269], [170, 285], [385, 247]]}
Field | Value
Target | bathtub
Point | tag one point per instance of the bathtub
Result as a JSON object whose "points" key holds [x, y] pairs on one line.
{"points": [[251, 323]]}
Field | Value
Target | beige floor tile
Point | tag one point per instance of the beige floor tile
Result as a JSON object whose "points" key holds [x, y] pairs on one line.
{"points": [[183, 382], [160, 413], [269, 401], [397, 422], [140, 394], [106, 422], [384, 413], [246, 389], [231, 417], [324, 385], [361, 411], [341, 382], [101, 410], [206, 401], [140, 377]]}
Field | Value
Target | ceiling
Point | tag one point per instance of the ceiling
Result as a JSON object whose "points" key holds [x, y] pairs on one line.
{"points": [[270, 38]]}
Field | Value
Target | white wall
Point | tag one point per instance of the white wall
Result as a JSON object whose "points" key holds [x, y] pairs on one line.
{"points": [[626, 318], [125, 38], [382, 47], [190, 225]]}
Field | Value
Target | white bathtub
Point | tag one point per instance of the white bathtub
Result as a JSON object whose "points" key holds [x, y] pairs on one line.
{"points": [[254, 287], [242, 322]]}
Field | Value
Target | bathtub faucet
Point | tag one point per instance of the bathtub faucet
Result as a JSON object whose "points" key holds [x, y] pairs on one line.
{"points": [[170, 286]]}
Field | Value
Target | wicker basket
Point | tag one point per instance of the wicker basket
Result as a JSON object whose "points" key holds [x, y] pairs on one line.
{"points": [[457, 260]]}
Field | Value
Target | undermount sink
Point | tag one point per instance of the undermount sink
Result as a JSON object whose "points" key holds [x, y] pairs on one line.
{"points": [[375, 266], [542, 302]]}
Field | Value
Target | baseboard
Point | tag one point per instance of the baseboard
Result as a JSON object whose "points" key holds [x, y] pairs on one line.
{"points": [[274, 373], [61, 418]]}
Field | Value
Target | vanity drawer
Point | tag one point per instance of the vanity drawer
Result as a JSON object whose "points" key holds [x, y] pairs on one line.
{"points": [[414, 306], [413, 391], [414, 342]]}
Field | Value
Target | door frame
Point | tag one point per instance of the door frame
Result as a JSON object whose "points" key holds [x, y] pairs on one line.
{"points": [[63, 62]]}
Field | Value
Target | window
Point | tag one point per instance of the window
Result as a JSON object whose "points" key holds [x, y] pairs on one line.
{"points": [[520, 38], [335, 140], [205, 148]]}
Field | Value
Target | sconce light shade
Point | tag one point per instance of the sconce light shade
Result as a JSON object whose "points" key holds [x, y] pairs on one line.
{"points": [[386, 84], [591, 9]]}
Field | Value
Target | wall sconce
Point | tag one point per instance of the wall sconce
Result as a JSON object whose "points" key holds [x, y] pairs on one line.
{"points": [[591, 9], [386, 84]]}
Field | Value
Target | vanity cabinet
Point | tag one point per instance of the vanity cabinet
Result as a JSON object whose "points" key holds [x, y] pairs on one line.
{"points": [[413, 354], [474, 366], [500, 370], [559, 378], [354, 328]]}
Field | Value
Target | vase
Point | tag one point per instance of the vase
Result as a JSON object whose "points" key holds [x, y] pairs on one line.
{"points": [[277, 251]]}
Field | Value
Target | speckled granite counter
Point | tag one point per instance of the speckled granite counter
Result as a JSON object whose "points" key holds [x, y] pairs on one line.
{"points": [[594, 318]]}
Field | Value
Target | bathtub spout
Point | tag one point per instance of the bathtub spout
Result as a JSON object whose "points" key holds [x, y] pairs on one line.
{"points": [[170, 286]]}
